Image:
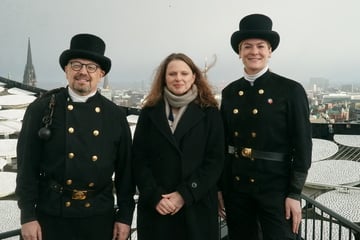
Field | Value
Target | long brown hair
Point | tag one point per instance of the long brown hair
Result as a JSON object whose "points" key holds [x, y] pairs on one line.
{"points": [[205, 96]]}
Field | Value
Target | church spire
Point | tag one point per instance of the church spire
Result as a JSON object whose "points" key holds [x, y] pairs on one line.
{"points": [[29, 72]]}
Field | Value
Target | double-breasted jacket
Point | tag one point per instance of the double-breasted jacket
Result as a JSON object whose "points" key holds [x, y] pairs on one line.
{"points": [[71, 173], [271, 116]]}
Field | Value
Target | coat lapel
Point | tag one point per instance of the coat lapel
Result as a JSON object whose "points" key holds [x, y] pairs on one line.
{"points": [[158, 117], [192, 115]]}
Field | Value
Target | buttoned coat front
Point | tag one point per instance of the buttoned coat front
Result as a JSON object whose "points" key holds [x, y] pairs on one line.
{"points": [[189, 161], [272, 116], [89, 143]]}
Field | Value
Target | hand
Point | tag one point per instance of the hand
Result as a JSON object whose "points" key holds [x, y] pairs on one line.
{"points": [[31, 231], [121, 231], [293, 210], [165, 206], [221, 206], [176, 200]]}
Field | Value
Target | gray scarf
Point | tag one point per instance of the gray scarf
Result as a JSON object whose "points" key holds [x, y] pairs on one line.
{"points": [[178, 102]]}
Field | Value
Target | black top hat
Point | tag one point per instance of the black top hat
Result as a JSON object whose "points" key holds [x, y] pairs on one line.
{"points": [[255, 26], [89, 47]]}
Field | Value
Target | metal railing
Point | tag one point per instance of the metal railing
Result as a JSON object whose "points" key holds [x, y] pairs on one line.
{"points": [[318, 223]]}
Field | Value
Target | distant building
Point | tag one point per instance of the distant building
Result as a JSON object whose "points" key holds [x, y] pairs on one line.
{"points": [[29, 72], [318, 84]]}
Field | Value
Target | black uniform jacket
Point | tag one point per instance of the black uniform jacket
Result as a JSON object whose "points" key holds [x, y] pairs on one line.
{"points": [[272, 116], [89, 142], [189, 161]]}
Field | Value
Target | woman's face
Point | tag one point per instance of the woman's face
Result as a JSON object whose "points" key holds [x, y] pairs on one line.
{"points": [[179, 77], [255, 54]]}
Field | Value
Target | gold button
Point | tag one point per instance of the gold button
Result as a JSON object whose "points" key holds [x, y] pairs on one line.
{"points": [[253, 134], [97, 109], [68, 182], [252, 180], [71, 130], [67, 204], [71, 155], [94, 158], [91, 184], [237, 178], [96, 133], [261, 91], [236, 133], [70, 107], [87, 205], [255, 111], [241, 93], [236, 111]]}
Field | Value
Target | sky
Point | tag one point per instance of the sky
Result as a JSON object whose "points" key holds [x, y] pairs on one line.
{"points": [[318, 38]]}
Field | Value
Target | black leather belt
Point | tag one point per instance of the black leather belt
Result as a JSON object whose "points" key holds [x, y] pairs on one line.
{"points": [[252, 154], [74, 194]]}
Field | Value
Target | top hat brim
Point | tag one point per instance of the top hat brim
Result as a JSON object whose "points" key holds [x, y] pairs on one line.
{"points": [[272, 37], [104, 62]]}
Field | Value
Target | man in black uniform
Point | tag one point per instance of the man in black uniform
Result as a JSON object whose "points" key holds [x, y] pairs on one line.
{"points": [[268, 136], [72, 142]]}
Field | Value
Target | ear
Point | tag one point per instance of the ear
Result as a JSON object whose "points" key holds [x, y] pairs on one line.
{"points": [[102, 73]]}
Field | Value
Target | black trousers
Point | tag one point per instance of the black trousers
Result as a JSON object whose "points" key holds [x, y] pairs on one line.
{"points": [[82, 228], [257, 216]]}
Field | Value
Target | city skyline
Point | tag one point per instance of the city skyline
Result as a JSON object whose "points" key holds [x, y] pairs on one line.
{"points": [[318, 39]]}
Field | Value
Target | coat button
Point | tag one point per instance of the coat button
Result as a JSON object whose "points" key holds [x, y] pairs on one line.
{"points": [[241, 93], [237, 178], [252, 180], [71, 130], [87, 205], [96, 133], [94, 158], [194, 185], [253, 134], [236, 111], [255, 111], [71, 155], [68, 182], [97, 109], [91, 184], [67, 204], [70, 107], [261, 91]]}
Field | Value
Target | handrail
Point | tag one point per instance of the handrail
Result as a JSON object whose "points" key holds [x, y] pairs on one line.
{"points": [[353, 227], [9, 234], [340, 219]]}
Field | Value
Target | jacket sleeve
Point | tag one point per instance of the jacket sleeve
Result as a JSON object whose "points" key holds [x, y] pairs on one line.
{"points": [[124, 182], [301, 140], [29, 148], [145, 179]]}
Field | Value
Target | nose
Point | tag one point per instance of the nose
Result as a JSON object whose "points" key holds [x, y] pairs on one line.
{"points": [[178, 76], [83, 69]]}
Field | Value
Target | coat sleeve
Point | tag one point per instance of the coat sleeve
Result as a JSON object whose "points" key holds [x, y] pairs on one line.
{"points": [[301, 140], [29, 148], [206, 176], [144, 177], [124, 182]]}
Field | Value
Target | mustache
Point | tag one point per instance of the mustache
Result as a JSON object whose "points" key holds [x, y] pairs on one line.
{"points": [[79, 76]]}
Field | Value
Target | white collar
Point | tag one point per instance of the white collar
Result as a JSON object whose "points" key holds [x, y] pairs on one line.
{"points": [[78, 98], [252, 78]]}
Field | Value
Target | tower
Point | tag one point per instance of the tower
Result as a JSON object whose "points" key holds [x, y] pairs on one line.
{"points": [[29, 72]]}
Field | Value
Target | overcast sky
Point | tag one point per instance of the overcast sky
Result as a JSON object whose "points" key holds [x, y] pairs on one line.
{"points": [[318, 38]]}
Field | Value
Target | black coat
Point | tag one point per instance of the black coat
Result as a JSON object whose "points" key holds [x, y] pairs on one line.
{"points": [[89, 142], [273, 116], [189, 161]]}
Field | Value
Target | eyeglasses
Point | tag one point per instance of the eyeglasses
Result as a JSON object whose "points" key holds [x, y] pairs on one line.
{"points": [[90, 67]]}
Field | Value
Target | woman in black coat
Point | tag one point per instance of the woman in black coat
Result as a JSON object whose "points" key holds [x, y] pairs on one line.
{"points": [[178, 155]]}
